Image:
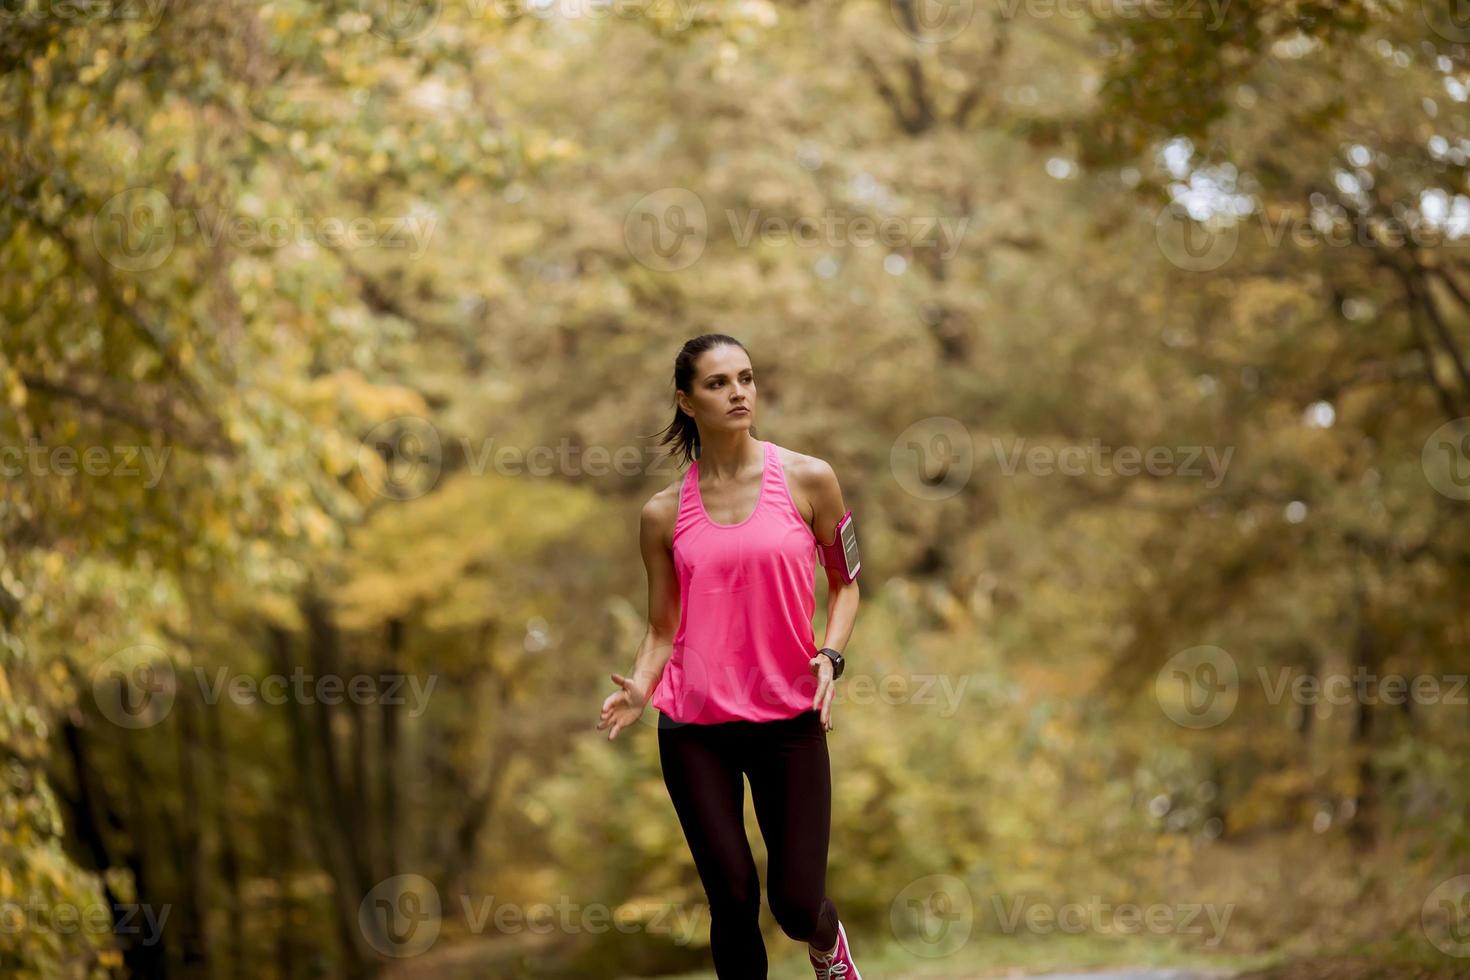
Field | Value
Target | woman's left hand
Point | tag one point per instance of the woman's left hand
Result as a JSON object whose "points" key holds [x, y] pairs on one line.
{"points": [[821, 665]]}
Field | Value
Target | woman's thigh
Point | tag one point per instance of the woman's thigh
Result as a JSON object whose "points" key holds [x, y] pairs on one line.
{"points": [[791, 787], [702, 772]]}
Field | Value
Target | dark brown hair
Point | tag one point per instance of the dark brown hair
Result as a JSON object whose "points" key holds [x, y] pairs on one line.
{"points": [[682, 432]]}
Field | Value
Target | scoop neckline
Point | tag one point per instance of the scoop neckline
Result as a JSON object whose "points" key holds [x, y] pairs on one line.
{"points": [[760, 494]]}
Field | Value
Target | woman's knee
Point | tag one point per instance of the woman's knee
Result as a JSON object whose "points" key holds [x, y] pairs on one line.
{"points": [[738, 895], [797, 915]]}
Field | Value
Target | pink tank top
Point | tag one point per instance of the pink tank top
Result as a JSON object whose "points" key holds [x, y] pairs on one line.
{"points": [[747, 592]]}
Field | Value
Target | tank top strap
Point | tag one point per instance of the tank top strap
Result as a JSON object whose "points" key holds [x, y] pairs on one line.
{"points": [[776, 498], [773, 483], [690, 513]]}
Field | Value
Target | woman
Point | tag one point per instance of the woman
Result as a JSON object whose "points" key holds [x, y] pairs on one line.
{"points": [[731, 551]]}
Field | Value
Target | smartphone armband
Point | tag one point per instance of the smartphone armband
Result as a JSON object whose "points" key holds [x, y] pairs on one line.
{"points": [[841, 556]]}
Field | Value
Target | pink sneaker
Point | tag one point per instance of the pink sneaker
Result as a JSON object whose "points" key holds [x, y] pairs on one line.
{"points": [[839, 966]]}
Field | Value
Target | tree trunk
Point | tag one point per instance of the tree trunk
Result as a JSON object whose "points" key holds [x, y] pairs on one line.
{"points": [[92, 814], [1364, 827], [325, 805], [194, 869], [389, 762], [233, 949]]}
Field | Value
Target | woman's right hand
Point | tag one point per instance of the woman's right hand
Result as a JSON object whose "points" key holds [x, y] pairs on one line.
{"points": [[624, 706]]}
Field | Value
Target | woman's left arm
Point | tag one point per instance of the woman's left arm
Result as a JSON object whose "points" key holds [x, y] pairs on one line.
{"points": [[842, 597]]}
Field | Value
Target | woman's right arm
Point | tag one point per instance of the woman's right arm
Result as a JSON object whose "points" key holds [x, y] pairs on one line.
{"points": [[654, 529], [624, 706]]}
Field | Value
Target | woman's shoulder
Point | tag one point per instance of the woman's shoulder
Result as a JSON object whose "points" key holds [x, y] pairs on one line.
{"points": [[807, 472], [662, 509]]}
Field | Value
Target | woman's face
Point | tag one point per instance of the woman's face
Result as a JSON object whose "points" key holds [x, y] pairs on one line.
{"points": [[724, 383]]}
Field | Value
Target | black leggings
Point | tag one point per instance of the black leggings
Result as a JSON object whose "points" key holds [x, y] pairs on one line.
{"points": [[791, 785]]}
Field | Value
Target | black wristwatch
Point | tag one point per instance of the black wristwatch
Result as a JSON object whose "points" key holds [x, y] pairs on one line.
{"points": [[837, 662]]}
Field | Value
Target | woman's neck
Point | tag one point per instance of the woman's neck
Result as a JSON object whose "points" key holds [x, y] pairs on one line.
{"points": [[727, 455]]}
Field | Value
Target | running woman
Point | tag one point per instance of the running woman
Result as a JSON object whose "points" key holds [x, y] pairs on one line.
{"points": [[730, 663]]}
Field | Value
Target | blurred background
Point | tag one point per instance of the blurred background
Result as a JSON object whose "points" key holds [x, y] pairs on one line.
{"points": [[336, 338]]}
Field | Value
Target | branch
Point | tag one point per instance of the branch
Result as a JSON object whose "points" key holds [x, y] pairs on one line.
{"points": [[1421, 338], [9, 605], [889, 95], [126, 415], [972, 95], [150, 333], [1441, 330], [1368, 373], [1446, 400], [1450, 284], [378, 298], [918, 88]]}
